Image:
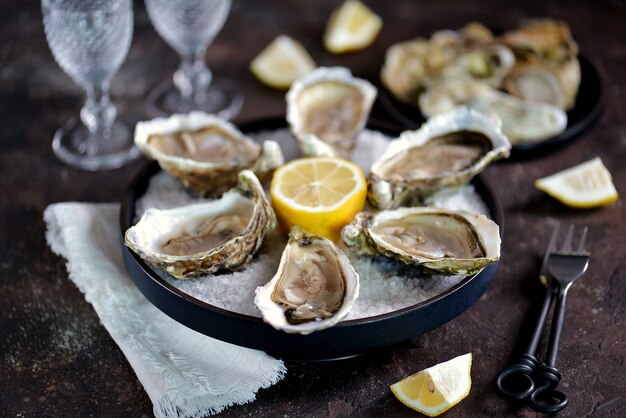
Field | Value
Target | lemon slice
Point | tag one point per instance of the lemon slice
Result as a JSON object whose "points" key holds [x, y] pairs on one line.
{"points": [[585, 185], [282, 62], [321, 195], [351, 27], [438, 388]]}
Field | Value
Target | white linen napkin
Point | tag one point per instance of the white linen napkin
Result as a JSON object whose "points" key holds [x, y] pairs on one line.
{"points": [[185, 373]]}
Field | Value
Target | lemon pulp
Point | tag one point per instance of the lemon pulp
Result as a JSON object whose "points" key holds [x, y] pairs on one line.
{"points": [[319, 194], [353, 26], [281, 63], [436, 389], [585, 185]]}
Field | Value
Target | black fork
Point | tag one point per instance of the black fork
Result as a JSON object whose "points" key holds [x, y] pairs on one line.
{"points": [[565, 266]]}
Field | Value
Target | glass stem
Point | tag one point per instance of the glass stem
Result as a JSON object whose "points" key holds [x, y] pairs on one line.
{"points": [[192, 79], [98, 114]]}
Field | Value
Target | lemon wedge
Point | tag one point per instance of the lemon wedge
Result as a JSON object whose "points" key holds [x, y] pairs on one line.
{"points": [[351, 27], [320, 194], [585, 185], [436, 389], [281, 63]]}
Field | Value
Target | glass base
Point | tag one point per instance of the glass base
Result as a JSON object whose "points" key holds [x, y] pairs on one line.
{"points": [[223, 99], [74, 146]]}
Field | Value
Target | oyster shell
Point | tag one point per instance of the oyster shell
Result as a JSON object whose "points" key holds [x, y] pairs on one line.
{"points": [[439, 240], [205, 237], [523, 122], [543, 39], [544, 46], [447, 151], [205, 152], [486, 64], [331, 104], [445, 95], [410, 65], [314, 288], [555, 84], [535, 84]]}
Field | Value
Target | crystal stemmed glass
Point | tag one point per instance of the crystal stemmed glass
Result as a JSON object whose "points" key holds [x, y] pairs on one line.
{"points": [[89, 41], [189, 26]]}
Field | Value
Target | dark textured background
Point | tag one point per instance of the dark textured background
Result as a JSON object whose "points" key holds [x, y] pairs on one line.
{"points": [[57, 360]]}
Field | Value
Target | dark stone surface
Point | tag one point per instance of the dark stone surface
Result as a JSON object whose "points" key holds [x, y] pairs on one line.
{"points": [[57, 360]]}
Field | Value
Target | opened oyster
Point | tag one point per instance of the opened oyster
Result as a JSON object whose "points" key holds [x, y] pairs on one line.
{"points": [[314, 288], [544, 39], [205, 237], [438, 240], [409, 66], [332, 105], [553, 83], [205, 152], [522, 121], [547, 57], [487, 64], [445, 95], [447, 151]]}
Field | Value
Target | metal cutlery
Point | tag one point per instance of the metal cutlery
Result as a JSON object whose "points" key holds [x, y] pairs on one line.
{"points": [[527, 380]]}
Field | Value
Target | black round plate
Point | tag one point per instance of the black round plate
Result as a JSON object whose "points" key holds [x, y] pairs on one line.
{"points": [[345, 339], [587, 109]]}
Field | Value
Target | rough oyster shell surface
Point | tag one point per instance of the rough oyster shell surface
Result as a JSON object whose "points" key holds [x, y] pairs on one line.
{"points": [[314, 288], [447, 151], [205, 152], [205, 237], [436, 239], [331, 104]]}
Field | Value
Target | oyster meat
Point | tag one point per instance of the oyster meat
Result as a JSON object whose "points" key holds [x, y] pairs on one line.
{"points": [[314, 288], [439, 240], [447, 151], [205, 152], [205, 237], [331, 104]]}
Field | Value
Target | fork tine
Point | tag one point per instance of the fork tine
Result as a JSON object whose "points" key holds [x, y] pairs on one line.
{"points": [[567, 244], [583, 238], [555, 234], [544, 273]]}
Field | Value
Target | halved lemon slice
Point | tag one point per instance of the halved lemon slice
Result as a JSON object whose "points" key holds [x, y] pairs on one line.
{"points": [[282, 62], [321, 195], [438, 388], [351, 27], [585, 185]]}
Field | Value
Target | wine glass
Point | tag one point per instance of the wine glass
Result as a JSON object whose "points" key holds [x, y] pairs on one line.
{"points": [[189, 26], [89, 40]]}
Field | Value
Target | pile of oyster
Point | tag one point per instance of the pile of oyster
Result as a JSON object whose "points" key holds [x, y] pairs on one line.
{"points": [[316, 285], [529, 76]]}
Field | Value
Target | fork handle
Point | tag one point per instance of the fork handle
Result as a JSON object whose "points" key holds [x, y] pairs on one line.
{"points": [[557, 326]]}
